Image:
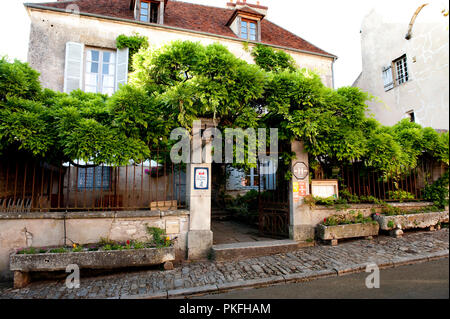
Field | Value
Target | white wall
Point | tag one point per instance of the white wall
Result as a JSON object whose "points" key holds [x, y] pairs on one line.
{"points": [[427, 91]]}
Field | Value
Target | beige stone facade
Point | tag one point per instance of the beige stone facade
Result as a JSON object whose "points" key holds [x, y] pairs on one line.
{"points": [[51, 30]]}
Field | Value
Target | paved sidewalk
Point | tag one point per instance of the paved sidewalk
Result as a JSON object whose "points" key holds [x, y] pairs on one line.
{"points": [[204, 277]]}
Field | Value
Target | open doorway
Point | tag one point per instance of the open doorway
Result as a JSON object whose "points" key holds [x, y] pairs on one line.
{"points": [[249, 205]]}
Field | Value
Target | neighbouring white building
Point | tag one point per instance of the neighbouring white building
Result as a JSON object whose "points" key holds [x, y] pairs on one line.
{"points": [[405, 64]]}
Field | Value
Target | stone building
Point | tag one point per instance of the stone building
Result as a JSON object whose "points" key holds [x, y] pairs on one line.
{"points": [[405, 64], [73, 46], [67, 48]]}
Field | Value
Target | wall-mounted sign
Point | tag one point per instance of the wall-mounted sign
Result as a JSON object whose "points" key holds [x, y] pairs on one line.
{"points": [[302, 189], [325, 188], [172, 227], [295, 191], [300, 170], [201, 178]]}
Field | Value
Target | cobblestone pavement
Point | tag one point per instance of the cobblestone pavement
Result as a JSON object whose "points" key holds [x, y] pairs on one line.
{"points": [[201, 276]]}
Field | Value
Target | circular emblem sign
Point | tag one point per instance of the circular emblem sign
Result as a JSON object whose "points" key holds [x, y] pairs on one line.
{"points": [[300, 170]]}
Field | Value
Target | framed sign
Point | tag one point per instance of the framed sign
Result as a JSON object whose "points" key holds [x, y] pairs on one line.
{"points": [[201, 178], [325, 188], [300, 170]]}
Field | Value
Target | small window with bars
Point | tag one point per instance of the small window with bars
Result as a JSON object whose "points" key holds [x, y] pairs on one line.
{"points": [[401, 69], [94, 178]]}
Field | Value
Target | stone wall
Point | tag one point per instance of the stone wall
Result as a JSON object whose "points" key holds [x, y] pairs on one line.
{"points": [[312, 216], [47, 229]]}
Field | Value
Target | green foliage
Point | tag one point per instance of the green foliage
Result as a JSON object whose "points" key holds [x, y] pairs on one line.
{"points": [[159, 237], [390, 210], [18, 80], [245, 207], [269, 59], [60, 250], [352, 218], [182, 81], [438, 191], [77, 249], [134, 43], [391, 224], [400, 195]]}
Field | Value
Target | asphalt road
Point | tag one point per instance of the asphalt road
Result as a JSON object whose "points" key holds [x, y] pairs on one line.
{"points": [[424, 280]]}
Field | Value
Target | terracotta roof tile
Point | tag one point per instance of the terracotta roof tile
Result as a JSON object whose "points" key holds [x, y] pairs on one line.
{"points": [[193, 17]]}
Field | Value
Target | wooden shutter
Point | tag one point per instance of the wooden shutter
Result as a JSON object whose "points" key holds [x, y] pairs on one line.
{"points": [[137, 10], [122, 67], [73, 71]]}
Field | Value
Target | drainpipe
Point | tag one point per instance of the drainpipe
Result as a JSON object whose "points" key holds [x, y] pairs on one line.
{"points": [[413, 19], [332, 71]]}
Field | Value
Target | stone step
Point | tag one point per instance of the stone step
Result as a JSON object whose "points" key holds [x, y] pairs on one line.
{"points": [[254, 249]]}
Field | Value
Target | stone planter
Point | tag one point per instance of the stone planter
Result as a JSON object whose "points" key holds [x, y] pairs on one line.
{"points": [[333, 233], [22, 264], [422, 220]]}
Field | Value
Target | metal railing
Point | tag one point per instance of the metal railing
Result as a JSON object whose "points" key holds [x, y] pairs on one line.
{"points": [[34, 186]]}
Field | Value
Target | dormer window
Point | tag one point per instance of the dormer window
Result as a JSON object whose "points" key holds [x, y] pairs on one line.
{"points": [[149, 12], [245, 20], [249, 30]]}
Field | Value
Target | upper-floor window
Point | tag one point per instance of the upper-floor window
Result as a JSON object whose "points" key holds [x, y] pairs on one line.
{"points": [[249, 29], [149, 11], [99, 75], [396, 73], [401, 69]]}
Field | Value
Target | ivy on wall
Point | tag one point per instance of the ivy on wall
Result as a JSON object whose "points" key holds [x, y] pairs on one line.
{"points": [[134, 43]]}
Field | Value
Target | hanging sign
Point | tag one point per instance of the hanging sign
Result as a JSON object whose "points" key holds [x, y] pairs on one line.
{"points": [[201, 178]]}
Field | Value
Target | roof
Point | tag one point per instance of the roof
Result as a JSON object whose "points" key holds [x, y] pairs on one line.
{"points": [[189, 16]]}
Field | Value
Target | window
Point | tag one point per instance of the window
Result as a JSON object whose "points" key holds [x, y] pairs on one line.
{"points": [[94, 178], [249, 30], [100, 71], [401, 69], [387, 78], [149, 11], [251, 178]]}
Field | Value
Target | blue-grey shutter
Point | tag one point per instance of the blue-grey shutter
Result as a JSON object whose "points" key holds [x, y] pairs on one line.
{"points": [[388, 80], [73, 70], [122, 67]]}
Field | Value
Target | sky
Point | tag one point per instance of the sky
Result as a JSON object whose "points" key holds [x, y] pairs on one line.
{"points": [[332, 25]]}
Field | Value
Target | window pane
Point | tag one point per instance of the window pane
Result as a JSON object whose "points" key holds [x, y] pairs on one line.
{"points": [[253, 32], [144, 12], [244, 24], [108, 81], [91, 79], [144, 18], [253, 26], [253, 37], [93, 55], [144, 5], [92, 67], [90, 89], [108, 69]]}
